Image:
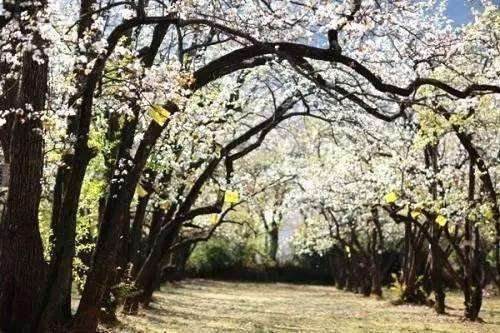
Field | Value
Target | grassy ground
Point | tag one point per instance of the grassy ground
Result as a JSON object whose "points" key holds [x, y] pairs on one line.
{"points": [[214, 306]]}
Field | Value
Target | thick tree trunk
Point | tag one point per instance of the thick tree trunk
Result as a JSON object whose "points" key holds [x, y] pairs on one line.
{"points": [[104, 262], [157, 221], [411, 292], [112, 296], [115, 214], [22, 266], [67, 194], [7, 102]]}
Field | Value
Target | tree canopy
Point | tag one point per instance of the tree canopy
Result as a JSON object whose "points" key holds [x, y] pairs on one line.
{"points": [[131, 131]]}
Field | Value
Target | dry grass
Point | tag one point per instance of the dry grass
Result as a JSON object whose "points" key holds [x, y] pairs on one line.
{"points": [[214, 306]]}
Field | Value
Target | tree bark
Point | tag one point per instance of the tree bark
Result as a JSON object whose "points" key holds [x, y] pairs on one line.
{"points": [[376, 251], [22, 266], [136, 234], [273, 235], [431, 162]]}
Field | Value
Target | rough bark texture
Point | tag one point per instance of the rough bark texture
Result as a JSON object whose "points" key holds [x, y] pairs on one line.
{"points": [[67, 188], [21, 245]]}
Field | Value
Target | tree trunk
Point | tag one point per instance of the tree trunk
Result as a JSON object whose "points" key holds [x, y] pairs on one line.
{"points": [[144, 281], [273, 236], [488, 186], [136, 234], [7, 102], [22, 266], [437, 273], [351, 284], [66, 196], [431, 162], [376, 251], [340, 270], [411, 292], [149, 272]]}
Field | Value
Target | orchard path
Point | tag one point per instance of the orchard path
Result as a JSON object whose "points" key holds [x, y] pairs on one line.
{"points": [[201, 306]]}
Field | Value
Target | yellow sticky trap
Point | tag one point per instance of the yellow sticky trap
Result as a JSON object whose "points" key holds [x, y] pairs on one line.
{"points": [[441, 220], [391, 197], [141, 192], [231, 197], [415, 214], [472, 217], [214, 219], [165, 205], [488, 214], [159, 114]]}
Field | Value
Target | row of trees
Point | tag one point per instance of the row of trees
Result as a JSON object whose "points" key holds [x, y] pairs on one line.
{"points": [[423, 187], [122, 122], [387, 209]]}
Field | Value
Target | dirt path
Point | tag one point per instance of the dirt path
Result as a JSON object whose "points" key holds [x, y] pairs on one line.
{"points": [[214, 306]]}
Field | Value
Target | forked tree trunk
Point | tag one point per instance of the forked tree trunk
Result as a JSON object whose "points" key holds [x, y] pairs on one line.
{"points": [[488, 185], [412, 292]]}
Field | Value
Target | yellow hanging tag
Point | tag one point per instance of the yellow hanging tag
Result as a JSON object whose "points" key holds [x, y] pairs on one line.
{"points": [[159, 114], [214, 219], [141, 192], [231, 197], [391, 197], [441, 220]]}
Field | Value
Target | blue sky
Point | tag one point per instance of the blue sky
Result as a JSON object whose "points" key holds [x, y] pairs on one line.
{"points": [[459, 10]]}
